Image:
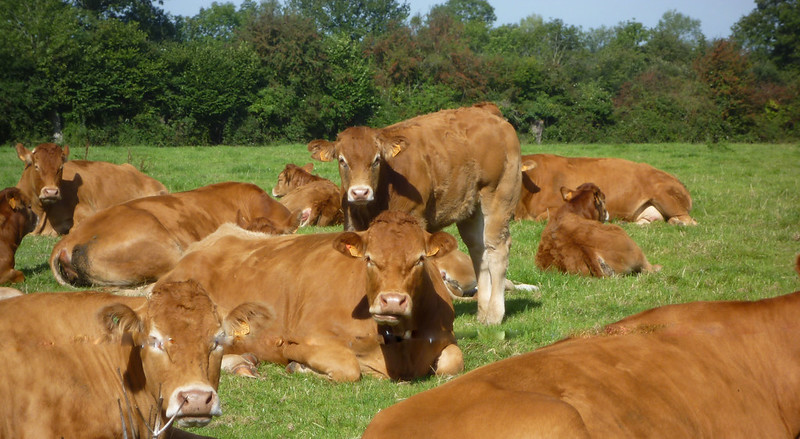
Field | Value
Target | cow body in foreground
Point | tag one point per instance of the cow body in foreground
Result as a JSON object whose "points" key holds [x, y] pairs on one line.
{"points": [[63, 193], [576, 241], [636, 192], [704, 369], [89, 364], [138, 241], [318, 203], [346, 304], [17, 219], [453, 166]]}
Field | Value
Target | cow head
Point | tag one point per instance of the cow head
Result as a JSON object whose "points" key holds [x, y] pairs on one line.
{"points": [[292, 177], [181, 338], [14, 202], [395, 250], [587, 201], [43, 168], [361, 152]]}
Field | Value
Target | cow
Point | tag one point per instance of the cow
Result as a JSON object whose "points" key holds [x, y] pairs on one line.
{"points": [[90, 364], [454, 166], [317, 203], [64, 192], [702, 369], [17, 219], [136, 242], [576, 241], [8, 292], [637, 192], [345, 303], [293, 177]]}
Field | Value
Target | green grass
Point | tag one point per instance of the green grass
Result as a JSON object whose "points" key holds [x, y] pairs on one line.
{"points": [[746, 200]]}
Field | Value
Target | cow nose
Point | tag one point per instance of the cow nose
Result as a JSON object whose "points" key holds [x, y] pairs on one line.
{"points": [[359, 194], [197, 402], [393, 303], [50, 192]]}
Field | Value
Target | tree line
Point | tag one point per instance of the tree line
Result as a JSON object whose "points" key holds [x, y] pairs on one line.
{"points": [[126, 72]]}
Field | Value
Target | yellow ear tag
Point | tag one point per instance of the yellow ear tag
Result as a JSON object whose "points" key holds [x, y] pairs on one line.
{"points": [[13, 203], [242, 330], [352, 249], [396, 148]]}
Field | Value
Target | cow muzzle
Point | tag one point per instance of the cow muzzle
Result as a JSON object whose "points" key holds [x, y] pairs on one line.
{"points": [[360, 194], [193, 406], [49, 195], [388, 308]]}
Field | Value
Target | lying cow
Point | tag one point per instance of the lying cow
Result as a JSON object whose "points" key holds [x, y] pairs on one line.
{"points": [[637, 192], [346, 304], [704, 369], [576, 241], [63, 193], [89, 364], [318, 203], [136, 242], [454, 166], [293, 177], [16, 220]]}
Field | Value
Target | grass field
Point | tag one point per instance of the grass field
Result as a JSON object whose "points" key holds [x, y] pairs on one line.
{"points": [[746, 200]]}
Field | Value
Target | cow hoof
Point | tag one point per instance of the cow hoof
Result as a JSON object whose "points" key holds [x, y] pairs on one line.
{"points": [[245, 370], [295, 367]]}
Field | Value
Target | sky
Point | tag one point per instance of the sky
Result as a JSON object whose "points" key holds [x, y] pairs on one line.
{"points": [[716, 16]]}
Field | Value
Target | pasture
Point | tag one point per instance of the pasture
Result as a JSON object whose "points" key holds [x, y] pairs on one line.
{"points": [[746, 201]]}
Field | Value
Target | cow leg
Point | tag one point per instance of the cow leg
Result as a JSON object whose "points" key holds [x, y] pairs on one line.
{"points": [[450, 361], [326, 358], [471, 231], [243, 365]]}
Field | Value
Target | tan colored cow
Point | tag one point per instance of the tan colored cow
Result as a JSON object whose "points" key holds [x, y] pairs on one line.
{"points": [[92, 365], [293, 177], [636, 192], [16, 220], [136, 242], [576, 241], [704, 369], [63, 193], [346, 304], [318, 203], [453, 166]]}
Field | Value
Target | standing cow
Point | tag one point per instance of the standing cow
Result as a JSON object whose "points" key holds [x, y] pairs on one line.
{"points": [[63, 192], [95, 365], [455, 166], [346, 304]]}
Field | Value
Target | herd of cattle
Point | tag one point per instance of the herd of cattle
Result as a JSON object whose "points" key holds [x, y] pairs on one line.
{"points": [[213, 294]]}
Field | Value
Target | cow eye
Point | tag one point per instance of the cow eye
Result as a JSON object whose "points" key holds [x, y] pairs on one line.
{"points": [[420, 261], [155, 343], [342, 162], [368, 260], [376, 162]]}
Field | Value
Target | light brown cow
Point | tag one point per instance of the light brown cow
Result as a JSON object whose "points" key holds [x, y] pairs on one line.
{"points": [[346, 304], [454, 166], [16, 220], [318, 203], [704, 369], [293, 177], [576, 241], [138, 241], [90, 364], [63, 193], [636, 192]]}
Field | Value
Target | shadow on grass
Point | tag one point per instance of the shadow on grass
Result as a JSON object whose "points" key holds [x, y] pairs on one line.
{"points": [[36, 270], [514, 305]]}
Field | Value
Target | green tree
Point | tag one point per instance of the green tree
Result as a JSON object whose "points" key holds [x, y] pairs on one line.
{"points": [[353, 18], [150, 17], [676, 38], [772, 31]]}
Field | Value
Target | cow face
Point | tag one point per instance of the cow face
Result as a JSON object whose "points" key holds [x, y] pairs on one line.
{"points": [[291, 177], [181, 339], [14, 202], [43, 169], [361, 153], [587, 201], [395, 250]]}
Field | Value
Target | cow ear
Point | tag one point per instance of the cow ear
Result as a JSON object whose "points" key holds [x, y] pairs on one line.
{"points": [[350, 244], [65, 153], [391, 146], [528, 165], [119, 319], [13, 202], [566, 193], [440, 244], [308, 167], [24, 155], [321, 150], [239, 322]]}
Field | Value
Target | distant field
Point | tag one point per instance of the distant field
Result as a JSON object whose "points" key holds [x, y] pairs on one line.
{"points": [[746, 200]]}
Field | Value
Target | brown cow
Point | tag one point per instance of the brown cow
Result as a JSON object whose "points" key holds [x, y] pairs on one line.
{"points": [[16, 220], [90, 364], [345, 303], [703, 369], [454, 166], [576, 241], [636, 192], [318, 203], [63, 193], [136, 242], [293, 177]]}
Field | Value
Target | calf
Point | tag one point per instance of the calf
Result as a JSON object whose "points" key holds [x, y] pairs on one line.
{"points": [[293, 177], [454, 166], [318, 203], [17, 219], [136, 242], [346, 303], [89, 364], [576, 241], [63, 192]]}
